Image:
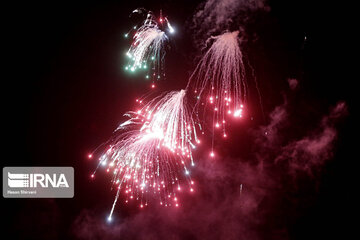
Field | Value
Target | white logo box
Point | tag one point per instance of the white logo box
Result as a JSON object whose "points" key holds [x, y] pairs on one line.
{"points": [[38, 182]]}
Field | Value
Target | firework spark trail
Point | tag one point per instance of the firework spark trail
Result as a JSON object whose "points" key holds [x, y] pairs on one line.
{"points": [[171, 114], [219, 79], [147, 49], [156, 156], [148, 43]]}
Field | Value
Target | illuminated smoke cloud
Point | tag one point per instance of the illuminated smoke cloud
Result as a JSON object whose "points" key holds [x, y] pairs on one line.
{"points": [[238, 198], [215, 16], [293, 83], [313, 150]]}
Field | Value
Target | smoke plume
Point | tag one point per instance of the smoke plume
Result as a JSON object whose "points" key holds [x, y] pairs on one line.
{"points": [[237, 198]]}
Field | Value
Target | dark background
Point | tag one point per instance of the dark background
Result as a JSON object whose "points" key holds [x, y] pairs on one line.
{"points": [[64, 91]]}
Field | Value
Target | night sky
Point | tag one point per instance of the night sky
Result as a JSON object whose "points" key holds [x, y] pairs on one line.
{"points": [[64, 91]]}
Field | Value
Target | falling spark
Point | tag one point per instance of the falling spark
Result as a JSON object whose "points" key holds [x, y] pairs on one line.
{"points": [[170, 28]]}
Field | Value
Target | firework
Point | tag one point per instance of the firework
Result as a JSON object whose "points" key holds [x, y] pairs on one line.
{"points": [[147, 50], [170, 114], [219, 79], [153, 156]]}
